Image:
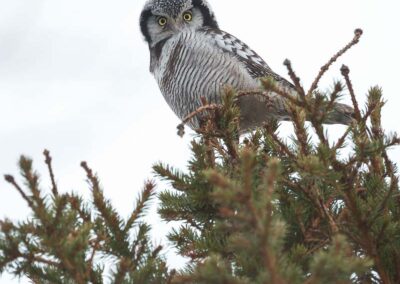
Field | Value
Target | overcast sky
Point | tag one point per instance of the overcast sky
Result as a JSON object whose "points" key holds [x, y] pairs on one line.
{"points": [[74, 79]]}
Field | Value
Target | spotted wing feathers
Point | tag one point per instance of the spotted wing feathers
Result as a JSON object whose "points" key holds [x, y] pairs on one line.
{"points": [[253, 63]]}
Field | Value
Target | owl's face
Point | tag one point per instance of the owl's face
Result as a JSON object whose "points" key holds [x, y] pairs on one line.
{"points": [[161, 19]]}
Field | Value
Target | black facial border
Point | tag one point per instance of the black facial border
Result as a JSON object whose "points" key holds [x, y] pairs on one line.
{"points": [[144, 16], [209, 20]]}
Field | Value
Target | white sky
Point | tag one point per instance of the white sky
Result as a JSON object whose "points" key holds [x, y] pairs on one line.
{"points": [[74, 79]]}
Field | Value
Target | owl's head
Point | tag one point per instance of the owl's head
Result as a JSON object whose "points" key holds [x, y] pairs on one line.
{"points": [[160, 19]]}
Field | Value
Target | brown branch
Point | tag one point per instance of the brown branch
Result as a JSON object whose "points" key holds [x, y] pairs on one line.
{"points": [[332, 223], [10, 179], [319, 130], [270, 260], [48, 160], [262, 227], [354, 41], [181, 127], [109, 216], [299, 128], [63, 201], [145, 196], [341, 140], [283, 147], [43, 260], [330, 106], [295, 79], [368, 242], [322, 243], [217, 146], [345, 72], [123, 268], [280, 91], [171, 276], [75, 204], [255, 93], [89, 173], [95, 247]]}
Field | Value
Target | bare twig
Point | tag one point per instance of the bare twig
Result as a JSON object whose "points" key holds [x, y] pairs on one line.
{"points": [[48, 160], [280, 91], [10, 179], [181, 127], [354, 41], [345, 72]]}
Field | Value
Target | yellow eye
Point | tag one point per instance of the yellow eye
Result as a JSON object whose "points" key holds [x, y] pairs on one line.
{"points": [[187, 16], [162, 21]]}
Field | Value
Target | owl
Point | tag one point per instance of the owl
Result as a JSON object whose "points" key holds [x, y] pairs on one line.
{"points": [[191, 58]]}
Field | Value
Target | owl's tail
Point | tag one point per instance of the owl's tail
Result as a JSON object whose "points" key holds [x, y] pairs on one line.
{"points": [[341, 114]]}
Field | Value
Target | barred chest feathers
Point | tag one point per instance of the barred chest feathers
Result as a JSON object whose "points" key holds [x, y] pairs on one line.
{"points": [[189, 65]]}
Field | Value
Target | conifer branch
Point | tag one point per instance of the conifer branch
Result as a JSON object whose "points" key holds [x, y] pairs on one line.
{"points": [[62, 242], [357, 35], [147, 193], [318, 194], [48, 159], [10, 179], [108, 214], [193, 114], [295, 80], [178, 180], [345, 72], [253, 210], [270, 85]]}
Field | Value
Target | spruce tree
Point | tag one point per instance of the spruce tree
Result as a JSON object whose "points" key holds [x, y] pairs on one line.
{"points": [[265, 210], [252, 208], [68, 240]]}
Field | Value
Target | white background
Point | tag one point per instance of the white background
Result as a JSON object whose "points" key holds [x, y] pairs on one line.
{"points": [[74, 79]]}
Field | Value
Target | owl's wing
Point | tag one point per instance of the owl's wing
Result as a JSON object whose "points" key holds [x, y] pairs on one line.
{"points": [[253, 63]]}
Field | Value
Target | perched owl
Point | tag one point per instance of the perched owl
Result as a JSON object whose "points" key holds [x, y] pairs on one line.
{"points": [[190, 57]]}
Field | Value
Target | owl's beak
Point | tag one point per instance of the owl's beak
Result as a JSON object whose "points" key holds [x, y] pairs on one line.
{"points": [[177, 25]]}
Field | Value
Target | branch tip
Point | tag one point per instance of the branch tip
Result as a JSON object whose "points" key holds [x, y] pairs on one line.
{"points": [[181, 130], [46, 153], [358, 32], [354, 41], [88, 171], [345, 70], [205, 107], [48, 160], [9, 178], [287, 62], [92, 177]]}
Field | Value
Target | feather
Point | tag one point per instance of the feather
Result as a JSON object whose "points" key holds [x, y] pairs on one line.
{"points": [[253, 63]]}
